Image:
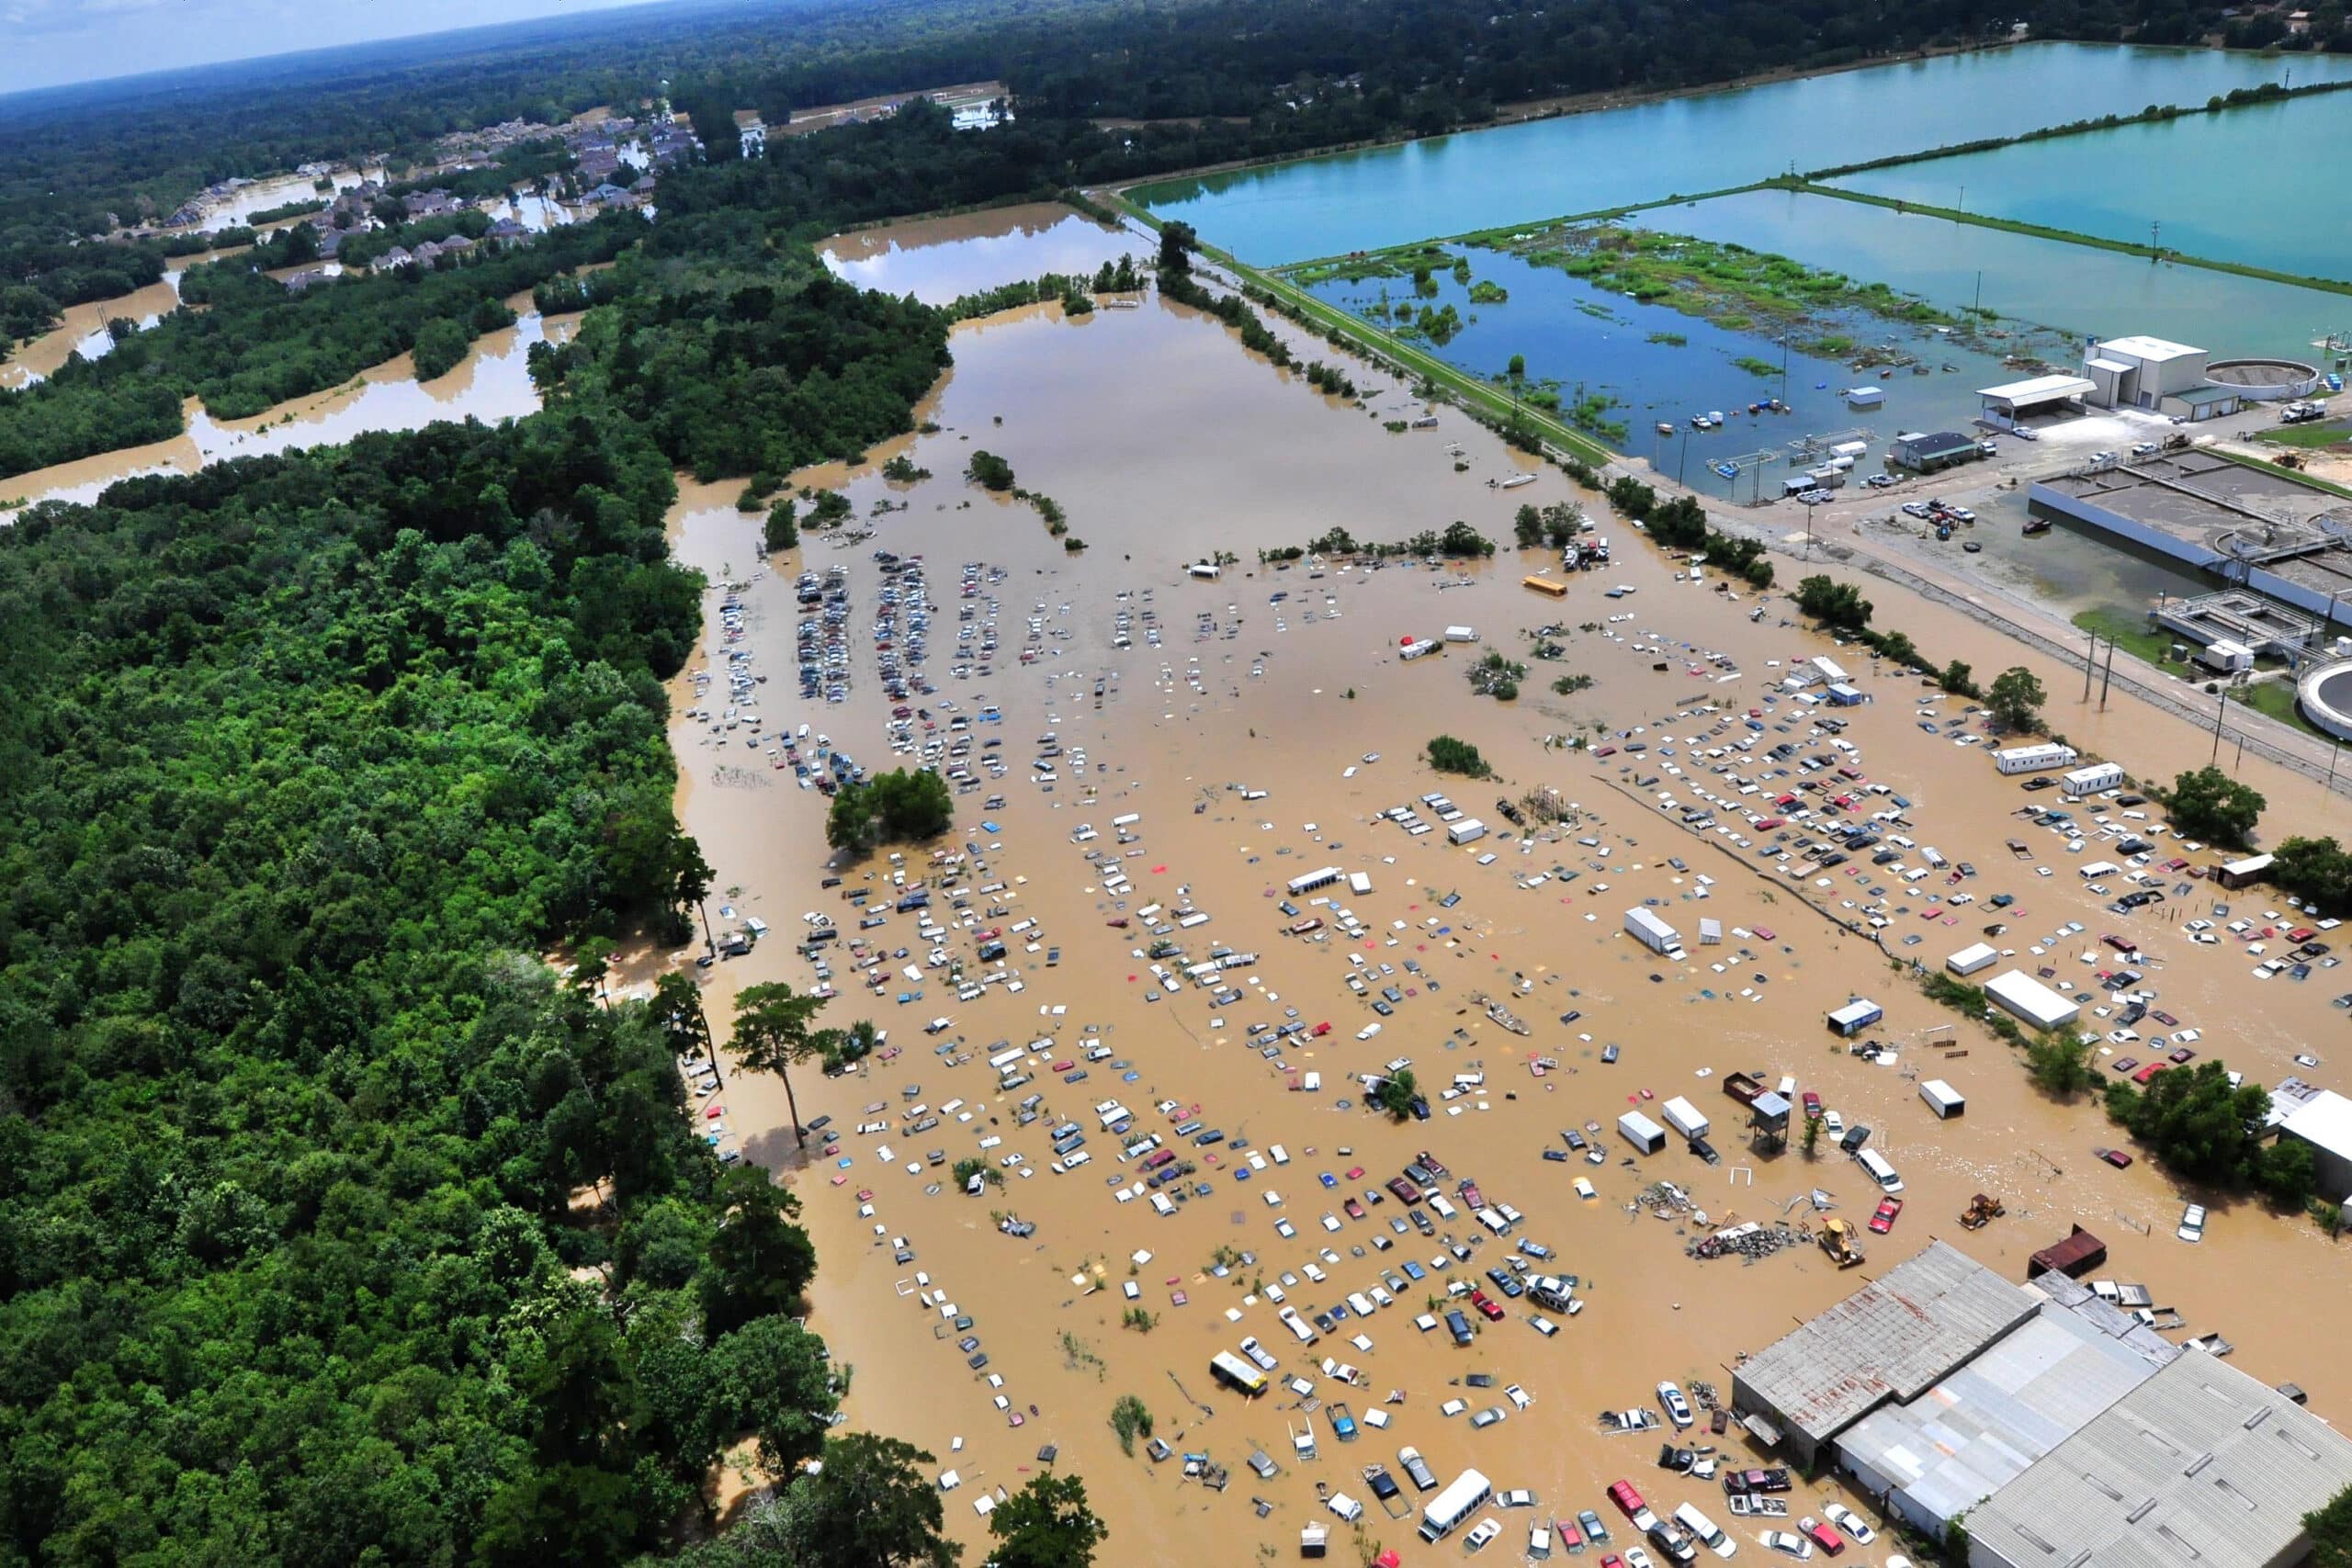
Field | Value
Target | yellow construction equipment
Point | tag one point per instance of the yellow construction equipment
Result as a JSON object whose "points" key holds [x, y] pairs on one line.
{"points": [[1838, 1241], [1982, 1210]]}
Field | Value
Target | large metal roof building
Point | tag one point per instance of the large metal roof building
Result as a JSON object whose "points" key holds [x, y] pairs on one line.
{"points": [[2198, 1465], [1892, 1339], [1934, 1458]]}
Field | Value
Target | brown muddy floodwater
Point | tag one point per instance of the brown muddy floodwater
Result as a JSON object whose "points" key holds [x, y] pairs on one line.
{"points": [[1238, 731], [936, 259], [492, 382]]}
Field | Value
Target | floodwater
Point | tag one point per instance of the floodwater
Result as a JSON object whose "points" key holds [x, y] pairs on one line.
{"points": [[1592, 340], [1164, 440], [1648, 152], [935, 259], [82, 328], [492, 382], [239, 206], [2073, 287], [2235, 187]]}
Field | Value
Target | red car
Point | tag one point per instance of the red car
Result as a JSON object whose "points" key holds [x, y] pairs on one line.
{"points": [[1606, 751], [1766, 824], [1883, 1221], [1488, 1305], [1629, 1501], [1405, 1190], [1354, 1209], [2150, 1071], [1812, 1104], [1430, 1163], [2115, 1158], [1824, 1536], [1470, 1195]]}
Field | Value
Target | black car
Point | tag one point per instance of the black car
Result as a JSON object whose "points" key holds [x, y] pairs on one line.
{"points": [[1420, 1107], [1856, 1136]]}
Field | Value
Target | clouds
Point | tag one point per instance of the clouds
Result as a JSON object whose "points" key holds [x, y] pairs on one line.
{"points": [[52, 42]]}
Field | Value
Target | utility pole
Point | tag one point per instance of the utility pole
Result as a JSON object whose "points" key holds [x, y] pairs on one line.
{"points": [[1683, 462], [1980, 289], [2218, 712], [2087, 663], [2155, 251], [2108, 677]]}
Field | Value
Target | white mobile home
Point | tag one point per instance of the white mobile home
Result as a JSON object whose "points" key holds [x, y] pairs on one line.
{"points": [[2036, 759], [1856, 1016], [2091, 779], [1466, 831], [1314, 879]]}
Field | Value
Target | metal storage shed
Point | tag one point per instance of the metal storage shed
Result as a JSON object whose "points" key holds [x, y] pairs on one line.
{"points": [[2030, 999], [1970, 959]]}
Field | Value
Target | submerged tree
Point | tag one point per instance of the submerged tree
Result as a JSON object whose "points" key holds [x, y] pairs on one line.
{"points": [[773, 1036]]}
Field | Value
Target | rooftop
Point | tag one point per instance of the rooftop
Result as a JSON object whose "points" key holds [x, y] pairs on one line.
{"points": [[1892, 1339], [2199, 1463], [2147, 350], [1979, 1428], [2323, 1120], [2040, 389]]}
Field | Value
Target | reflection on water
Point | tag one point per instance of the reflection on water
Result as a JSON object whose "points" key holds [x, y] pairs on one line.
{"points": [[1591, 340], [937, 259], [239, 206], [1651, 151], [2074, 288], [492, 382], [2233, 187]]}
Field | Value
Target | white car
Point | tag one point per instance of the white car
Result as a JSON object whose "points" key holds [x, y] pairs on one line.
{"points": [[1637, 1558], [1516, 1497], [1260, 1354], [1518, 1397], [1482, 1534], [2193, 1223], [1787, 1544], [1846, 1520], [1678, 1409]]}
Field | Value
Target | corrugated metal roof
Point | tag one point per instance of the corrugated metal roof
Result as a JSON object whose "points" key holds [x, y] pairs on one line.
{"points": [[1979, 1428], [1892, 1338], [2198, 1465]]}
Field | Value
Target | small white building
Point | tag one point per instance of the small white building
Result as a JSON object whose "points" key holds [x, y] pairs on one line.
{"points": [[1970, 959], [2325, 1122], [2031, 1000], [1464, 831], [1855, 1016], [2225, 657], [1644, 926]]}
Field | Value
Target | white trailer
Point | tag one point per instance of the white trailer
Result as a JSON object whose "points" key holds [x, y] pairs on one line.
{"points": [[1970, 959], [2030, 999], [1461, 634], [1641, 1132], [1652, 932], [1359, 882], [1684, 1117], [1466, 831], [1942, 1098]]}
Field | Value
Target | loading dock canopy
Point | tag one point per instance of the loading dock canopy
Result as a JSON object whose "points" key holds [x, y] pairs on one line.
{"points": [[2014, 397]]}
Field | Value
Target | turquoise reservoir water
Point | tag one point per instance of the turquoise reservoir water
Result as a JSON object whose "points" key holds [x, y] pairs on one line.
{"points": [[2248, 185], [2045, 282], [1648, 152]]}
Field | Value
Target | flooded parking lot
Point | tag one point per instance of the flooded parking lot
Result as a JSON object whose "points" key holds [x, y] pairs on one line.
{"points": [[1171, 753]]}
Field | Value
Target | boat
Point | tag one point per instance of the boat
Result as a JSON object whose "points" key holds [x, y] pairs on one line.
{"points": [[1518, 480], [1665, 427], [1505, 1017]]}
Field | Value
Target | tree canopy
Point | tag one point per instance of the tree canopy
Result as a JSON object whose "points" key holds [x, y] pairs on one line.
{"points": [[2207, 804]]}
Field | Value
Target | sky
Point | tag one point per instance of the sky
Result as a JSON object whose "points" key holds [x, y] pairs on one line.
{"points": [[54, 41]]}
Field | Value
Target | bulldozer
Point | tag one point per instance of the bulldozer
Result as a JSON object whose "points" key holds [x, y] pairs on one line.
{"points": [[1838, 1240], [1982, 1210]]}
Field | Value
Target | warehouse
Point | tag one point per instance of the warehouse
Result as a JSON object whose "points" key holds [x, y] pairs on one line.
{"points": [[2144, 373], [1930, 1460], [1892, 1339], [2199, 1464], [1652, 932], [2030, 999], [2325, 1122]]}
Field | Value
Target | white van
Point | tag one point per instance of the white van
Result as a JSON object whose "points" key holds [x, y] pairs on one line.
{"points": [[2096, 869], [1161, 1206], [1710, 1535], [1873, 1161], [1445, 1210]]}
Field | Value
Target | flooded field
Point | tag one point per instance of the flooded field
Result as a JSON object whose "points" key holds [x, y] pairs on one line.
{"points": [[935, 259], [492, 382], [1211, 740]]}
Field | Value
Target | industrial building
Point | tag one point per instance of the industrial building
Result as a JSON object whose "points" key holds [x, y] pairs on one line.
{"points": [[2006, 406], [2323, 1120], [1929, 1461], [2157, 376], [1889, 1341], [2253, 527], [2198, 1464], [1928, 454], [2030, 999]]}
